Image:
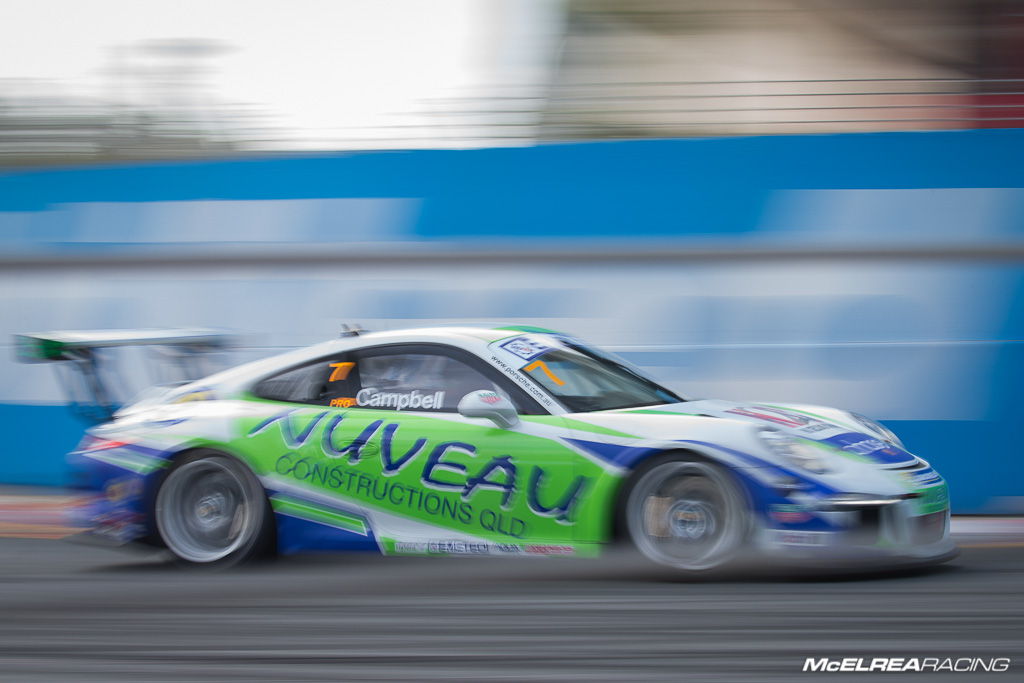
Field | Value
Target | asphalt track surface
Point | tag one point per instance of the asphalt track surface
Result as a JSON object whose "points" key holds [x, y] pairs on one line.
{"points": [[75, 613]]}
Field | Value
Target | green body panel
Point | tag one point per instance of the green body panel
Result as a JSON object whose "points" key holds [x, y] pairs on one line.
{"points": [[527, 328], [581, 426], [284, 503], [469, 477], [932, 498]]}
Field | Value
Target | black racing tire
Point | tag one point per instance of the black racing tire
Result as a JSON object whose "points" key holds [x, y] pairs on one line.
{"points": [[211, 511], [684, 512]]}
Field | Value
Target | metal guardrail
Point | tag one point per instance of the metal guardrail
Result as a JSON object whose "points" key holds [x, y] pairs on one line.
{"points": [[578, 111], [722, 107], [566, 111]]}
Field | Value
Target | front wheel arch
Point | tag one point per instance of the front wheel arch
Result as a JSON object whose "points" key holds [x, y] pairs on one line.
{"points": [[264, 542], [619, 534], [736, 491]]}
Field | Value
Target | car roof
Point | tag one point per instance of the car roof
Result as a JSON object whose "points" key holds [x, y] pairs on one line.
{"points": [[487, 334], [474, 339]]}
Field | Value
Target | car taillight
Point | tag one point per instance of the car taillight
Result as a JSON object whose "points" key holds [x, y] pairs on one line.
{"points": [[95, 443]]}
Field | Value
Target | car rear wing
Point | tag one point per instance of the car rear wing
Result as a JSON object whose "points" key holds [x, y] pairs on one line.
{"points": [[92, 383], [71, 345]]}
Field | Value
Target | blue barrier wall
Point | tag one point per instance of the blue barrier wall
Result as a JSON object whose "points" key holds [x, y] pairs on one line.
{"points": [[662, 188], [36, 438], [928, 344]]}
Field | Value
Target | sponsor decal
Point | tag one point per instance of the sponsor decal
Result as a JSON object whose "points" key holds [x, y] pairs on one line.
{"points": [[343, 402], [543, 549], [457, 547], [344, 443], [789, 513], [489, 397], [785, 418], [359, 485], [195, 395], [526, 384], [400, 400], [934, 498], [524, 347], [411, 547], [460, 547], [922, 479], [865, 447], [799, 538], [122, 488], [120, 525], [502, 524], [473, 548]]}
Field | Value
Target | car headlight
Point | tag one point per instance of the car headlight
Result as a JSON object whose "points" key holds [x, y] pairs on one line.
{"points": [[879, 429], [797, 452]]}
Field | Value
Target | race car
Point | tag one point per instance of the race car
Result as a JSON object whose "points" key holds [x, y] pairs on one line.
{"points": [[508, 441]]}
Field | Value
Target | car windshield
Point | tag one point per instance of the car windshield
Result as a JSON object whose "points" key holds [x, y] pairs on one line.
{"points": [[585, 380]]}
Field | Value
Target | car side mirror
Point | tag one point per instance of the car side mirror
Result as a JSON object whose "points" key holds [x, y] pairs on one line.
{"points": [[491, 405]]}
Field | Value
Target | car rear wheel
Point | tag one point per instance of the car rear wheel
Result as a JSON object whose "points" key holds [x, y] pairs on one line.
{"points": [[212, 511], [686, 513]]}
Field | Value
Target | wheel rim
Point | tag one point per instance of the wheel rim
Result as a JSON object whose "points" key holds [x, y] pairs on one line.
{"points": [[685, 514], [206, 510]]}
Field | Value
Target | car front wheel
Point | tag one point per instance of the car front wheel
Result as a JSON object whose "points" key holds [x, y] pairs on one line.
{"points": [[686, 513]]}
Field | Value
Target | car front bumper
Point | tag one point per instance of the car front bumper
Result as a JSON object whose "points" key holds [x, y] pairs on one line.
{"points": [[880, 532]]}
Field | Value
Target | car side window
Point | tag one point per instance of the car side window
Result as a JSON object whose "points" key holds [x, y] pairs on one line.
{"points": [[318, 383], [416, 381], [431, 378]]}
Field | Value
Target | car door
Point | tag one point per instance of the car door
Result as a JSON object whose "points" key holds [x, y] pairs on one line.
{"points": [[379, 428]]}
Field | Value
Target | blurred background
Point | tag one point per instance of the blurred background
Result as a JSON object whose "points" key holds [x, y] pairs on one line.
{"points": [[816, 201]]}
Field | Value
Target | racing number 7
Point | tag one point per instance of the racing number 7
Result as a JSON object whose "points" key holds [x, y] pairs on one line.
{"points": [[546, 370]]}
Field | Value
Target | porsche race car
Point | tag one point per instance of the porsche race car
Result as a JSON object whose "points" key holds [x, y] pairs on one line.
{"points": [[512, 441]]}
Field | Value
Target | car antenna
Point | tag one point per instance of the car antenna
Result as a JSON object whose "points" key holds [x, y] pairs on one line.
{"points": [[351, 330]]}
